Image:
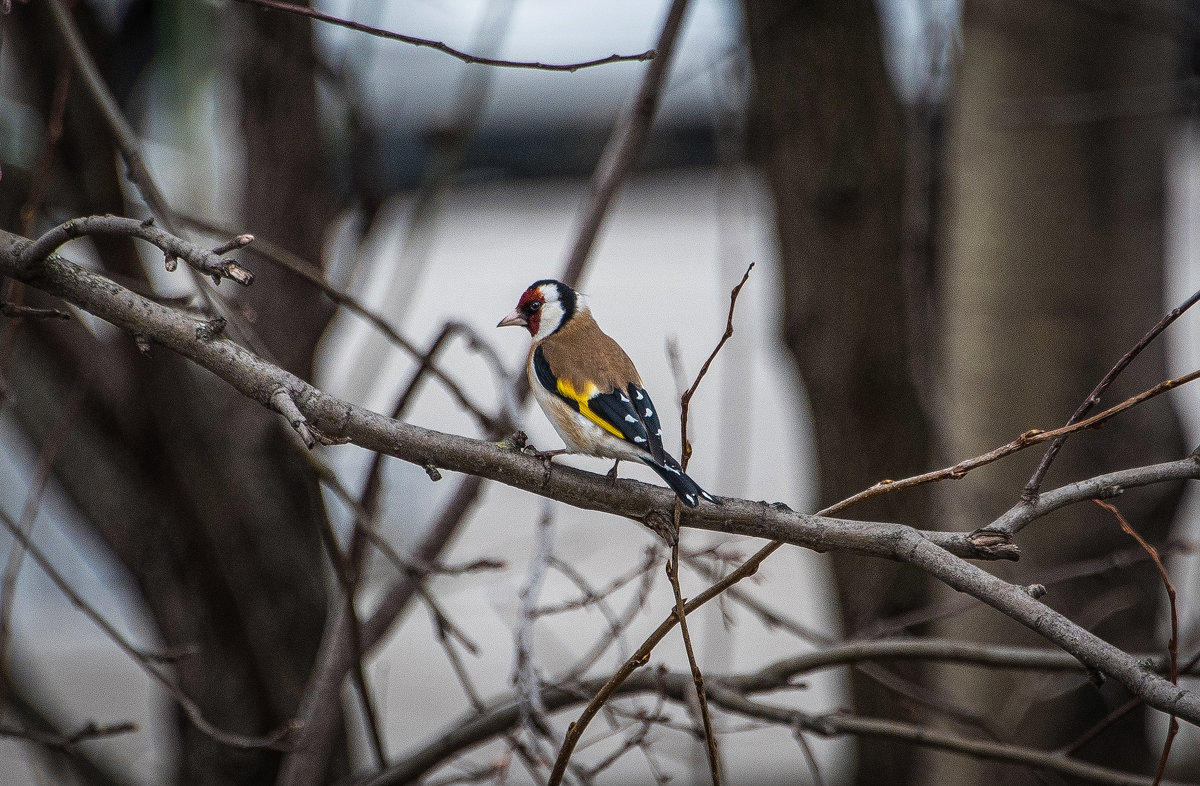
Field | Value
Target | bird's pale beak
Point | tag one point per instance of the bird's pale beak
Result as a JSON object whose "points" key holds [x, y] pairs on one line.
{"points": [[515, 318]]}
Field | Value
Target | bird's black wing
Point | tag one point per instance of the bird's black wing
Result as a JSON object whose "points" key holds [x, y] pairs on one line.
{"points": [[633, 414]]}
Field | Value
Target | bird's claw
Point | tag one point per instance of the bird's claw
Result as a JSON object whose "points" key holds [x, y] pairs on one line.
{"points": [[612, 473], [545, 456]]}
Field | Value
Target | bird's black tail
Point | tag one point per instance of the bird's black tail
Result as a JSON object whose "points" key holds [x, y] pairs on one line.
{"points": [[688, 491]]}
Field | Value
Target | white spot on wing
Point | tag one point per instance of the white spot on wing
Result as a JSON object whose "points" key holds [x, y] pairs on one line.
{"points": [[658, 433], [624, 397], [630, 419], [638, 394], [649, 412], [639, 439]]}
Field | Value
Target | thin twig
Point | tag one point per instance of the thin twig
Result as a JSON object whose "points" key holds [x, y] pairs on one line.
{"points": [[534, 718], [18, 311], [274, 5], [123, 133], [274, 741], [45, 161], [1034, 485], [1116, 715], [686, 399], [685, 449], [89, 731], [373, 486], [809, 758], [346, 581], [575, 731], [616, 632], [710, 737], [1173, 644], [1031, 437], [43, 465]]}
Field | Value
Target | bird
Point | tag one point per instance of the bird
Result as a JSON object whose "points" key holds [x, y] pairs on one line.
{"points": [[589, 388]]}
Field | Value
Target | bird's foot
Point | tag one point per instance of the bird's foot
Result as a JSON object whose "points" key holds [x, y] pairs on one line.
{"points": [[612, 473], [545, 456]]}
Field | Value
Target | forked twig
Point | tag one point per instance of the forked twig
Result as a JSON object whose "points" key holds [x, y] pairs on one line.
{"points": [[1035, 481]]}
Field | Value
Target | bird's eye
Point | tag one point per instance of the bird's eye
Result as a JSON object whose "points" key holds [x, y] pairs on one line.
{"points": [[533, 306]]}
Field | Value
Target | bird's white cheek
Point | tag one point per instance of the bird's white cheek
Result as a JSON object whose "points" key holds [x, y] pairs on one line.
{"points": [[550, 318]]}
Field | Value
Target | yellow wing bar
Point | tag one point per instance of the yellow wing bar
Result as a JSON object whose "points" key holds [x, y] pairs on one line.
{"points": [[567, 390]]}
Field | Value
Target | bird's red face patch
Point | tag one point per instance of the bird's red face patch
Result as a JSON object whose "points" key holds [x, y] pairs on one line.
{"points": [[530, 306]]}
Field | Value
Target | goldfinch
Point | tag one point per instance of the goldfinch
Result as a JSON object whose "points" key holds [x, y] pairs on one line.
{"points": [[589, 388]]}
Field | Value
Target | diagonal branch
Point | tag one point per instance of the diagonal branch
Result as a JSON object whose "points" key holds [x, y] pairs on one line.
{"points": [[102, 97], [191, 709], [259, 380], [1034, 485]]}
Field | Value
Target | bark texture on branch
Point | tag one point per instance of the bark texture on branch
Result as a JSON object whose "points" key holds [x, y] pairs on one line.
{"points": [[259, 381]]}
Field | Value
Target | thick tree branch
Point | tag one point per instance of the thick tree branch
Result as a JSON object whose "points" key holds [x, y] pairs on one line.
{"points": [[260, 380]]}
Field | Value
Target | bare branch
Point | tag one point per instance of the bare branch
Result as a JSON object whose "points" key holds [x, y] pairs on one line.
{"points": [[47, 453], [836, 724], [730, 692], [311, 273], [190, 708], [1173, 644], [274, 5], [1104, 486], [1003, 548], [701, 694], [685, 447], [15, 311], [123, 133], [206, 262], [258, 380], [1034, 485], [89, 731]]}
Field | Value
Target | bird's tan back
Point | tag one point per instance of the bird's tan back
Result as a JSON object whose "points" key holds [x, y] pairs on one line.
{"points": [[602, 362]]}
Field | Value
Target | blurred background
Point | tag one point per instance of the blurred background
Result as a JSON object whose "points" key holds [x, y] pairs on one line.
{"points": [[960, 216]]}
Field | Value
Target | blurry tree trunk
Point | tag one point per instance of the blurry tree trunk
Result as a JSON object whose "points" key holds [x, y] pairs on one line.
{"points": [[1053, 269], [195, 489], [826, 130]]}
